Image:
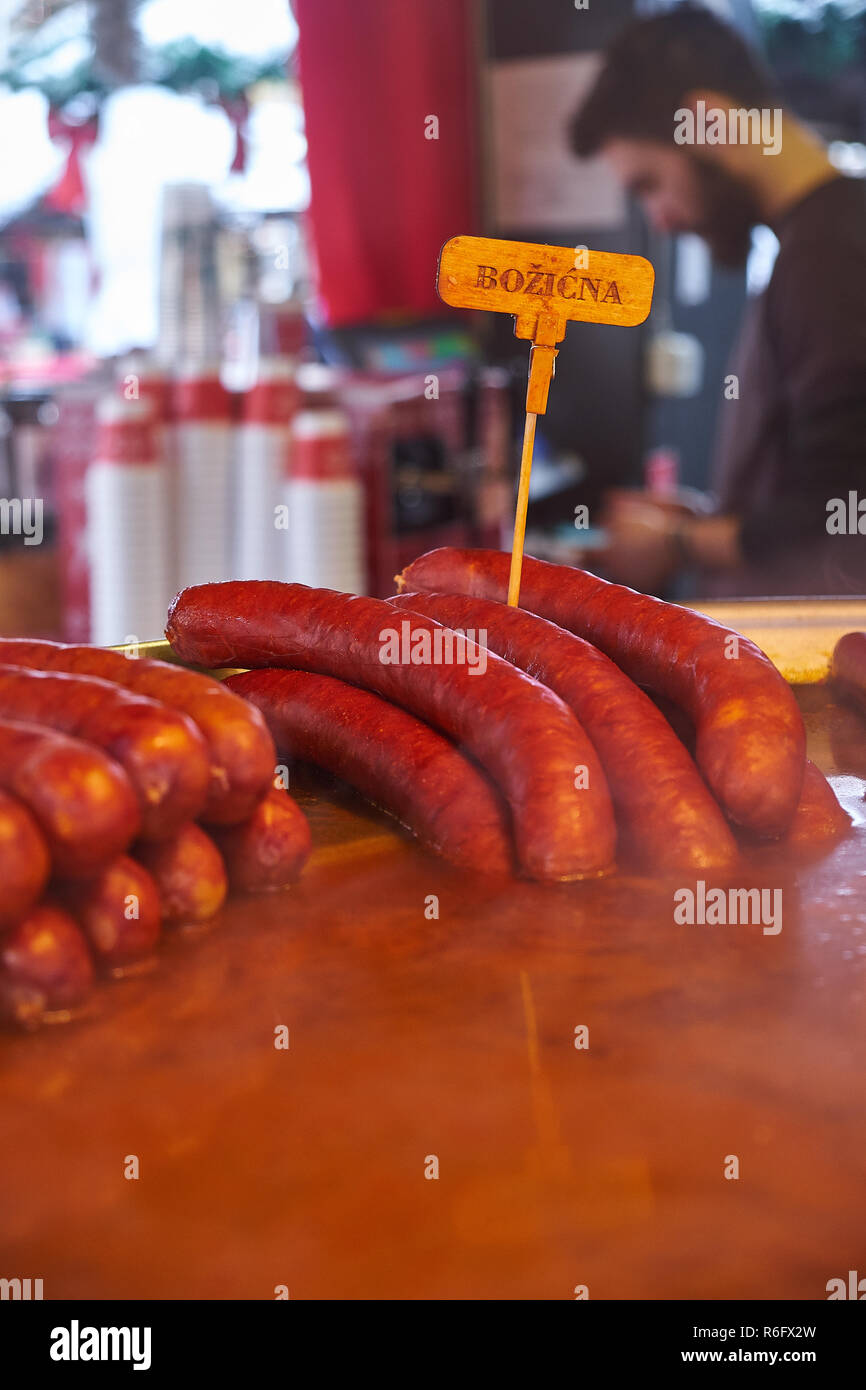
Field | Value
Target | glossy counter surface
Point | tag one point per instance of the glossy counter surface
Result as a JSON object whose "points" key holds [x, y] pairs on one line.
{"points": [[413, 1037]]}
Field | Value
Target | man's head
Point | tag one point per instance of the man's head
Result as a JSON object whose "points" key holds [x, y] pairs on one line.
{"points": [[655, 70]]}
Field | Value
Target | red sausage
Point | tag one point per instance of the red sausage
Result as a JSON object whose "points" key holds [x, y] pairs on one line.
{"points": [[848, 668], [523, 734], [118, 911], [751, 743], [189, 874], [665, 808], [394, 760], [47, 953], [241, 751], [24, 860], [269, 850], [819, 818], [162, 752], [81, 800]]}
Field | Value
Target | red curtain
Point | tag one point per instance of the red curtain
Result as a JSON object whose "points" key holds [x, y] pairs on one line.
{"points": [[383, 197]]}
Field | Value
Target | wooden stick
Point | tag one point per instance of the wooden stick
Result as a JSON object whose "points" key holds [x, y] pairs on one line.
{"points": [[520, 514], [543, 287]]}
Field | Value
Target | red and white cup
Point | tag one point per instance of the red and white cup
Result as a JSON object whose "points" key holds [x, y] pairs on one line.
{"points": [[325, 502], [262, 444], [128, 509], [202, 447]]}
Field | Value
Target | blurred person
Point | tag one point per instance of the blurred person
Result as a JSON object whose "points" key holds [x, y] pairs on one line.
{"points": [[692, 125]]}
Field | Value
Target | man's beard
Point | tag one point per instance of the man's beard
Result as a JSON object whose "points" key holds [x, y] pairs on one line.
{"points": [[729, 211]]}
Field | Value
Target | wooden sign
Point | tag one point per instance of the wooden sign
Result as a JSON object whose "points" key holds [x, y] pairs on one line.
{"points": [[545, 288], [527, 280]]}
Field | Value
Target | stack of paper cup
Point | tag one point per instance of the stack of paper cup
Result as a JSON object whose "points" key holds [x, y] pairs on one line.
{"points": [[325, 536], [127, 502], [202, 468], [155, 388], [139, 377], [261, 461], [189, 302]]}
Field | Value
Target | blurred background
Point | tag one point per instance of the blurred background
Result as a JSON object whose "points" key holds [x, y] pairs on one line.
{"points": [[221, 350]]}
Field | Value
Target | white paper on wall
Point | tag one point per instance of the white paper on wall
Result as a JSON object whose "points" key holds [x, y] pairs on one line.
{"points": [[537, 180]]}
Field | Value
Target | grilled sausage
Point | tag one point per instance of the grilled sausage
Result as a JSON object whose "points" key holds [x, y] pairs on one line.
{"points": [[819, 819], [527, 739], [395, 760], [24, 860], [848, 668], [46, 953], [189, 874], [241, 751], [269, 850], [665, 810], [81, 800], [751, 743], [161, 751], [118, 911]]}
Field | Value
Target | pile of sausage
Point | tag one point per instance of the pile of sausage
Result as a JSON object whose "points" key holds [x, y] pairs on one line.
{"points": [[107, 764], [601, 724]]}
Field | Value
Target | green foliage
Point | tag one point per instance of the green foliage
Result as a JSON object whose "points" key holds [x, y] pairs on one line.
{"points": [[184, 66], [824, 44]]}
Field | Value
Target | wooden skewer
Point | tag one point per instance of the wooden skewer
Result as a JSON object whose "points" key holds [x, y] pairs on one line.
{"points": [[520, 514], [541, 360]]}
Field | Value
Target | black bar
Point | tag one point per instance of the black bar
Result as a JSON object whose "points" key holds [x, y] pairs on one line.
{"points": [[243, 1338]]}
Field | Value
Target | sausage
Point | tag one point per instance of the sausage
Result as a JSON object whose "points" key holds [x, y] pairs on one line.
{"points": [[666, 812], [241, 751], [751, 743], [848, 668], [393, 759], [819, 819], [269, 850], [161, 751], [46, 953], [81, 799], [118, 911], [189, 874], [24, 860], [526, 738]]}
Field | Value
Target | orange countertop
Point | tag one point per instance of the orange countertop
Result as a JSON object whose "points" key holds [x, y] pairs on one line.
{"points": [[412, 1037]]}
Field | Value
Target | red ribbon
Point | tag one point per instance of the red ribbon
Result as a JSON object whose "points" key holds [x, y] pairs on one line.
{"points": [[69, 195], [237, 109]]}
